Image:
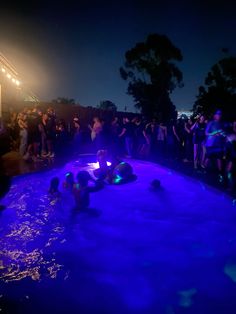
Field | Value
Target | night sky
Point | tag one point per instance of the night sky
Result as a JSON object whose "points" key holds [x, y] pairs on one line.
{"points": [[75, 49]]}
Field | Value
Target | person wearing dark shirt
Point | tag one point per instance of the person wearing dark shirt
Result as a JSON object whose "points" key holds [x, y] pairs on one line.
{"points": [[188, 141], [215, 141], [198, 129], [82, 190], [77, 134], [141, 141], [151, 136], [115, 130], [231, 157], [50, 128], [23, 133], [178, 130], [127, 134], [161, 135], [34, 121]]}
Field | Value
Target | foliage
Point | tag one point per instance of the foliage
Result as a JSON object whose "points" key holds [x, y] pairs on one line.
{"points": [[219, 91], [152, 75], [107, 105]]}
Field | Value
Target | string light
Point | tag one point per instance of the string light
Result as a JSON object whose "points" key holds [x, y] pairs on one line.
{"points": [[8, 75]]}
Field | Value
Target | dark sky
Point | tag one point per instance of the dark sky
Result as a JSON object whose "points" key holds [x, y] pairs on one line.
{"points": [[76, 49]]}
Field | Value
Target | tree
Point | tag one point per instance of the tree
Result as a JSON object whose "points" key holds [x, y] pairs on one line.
{"points": [[152, 75], [64, 100], [219, 91], [107, 105]]}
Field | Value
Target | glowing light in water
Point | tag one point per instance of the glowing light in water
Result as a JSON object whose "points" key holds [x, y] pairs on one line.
{"points": [[95, 165], [117, 179], [26, 241]]}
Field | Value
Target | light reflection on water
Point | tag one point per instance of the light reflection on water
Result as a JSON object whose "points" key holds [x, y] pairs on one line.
{"points": [[33, 225], [120, 257]]}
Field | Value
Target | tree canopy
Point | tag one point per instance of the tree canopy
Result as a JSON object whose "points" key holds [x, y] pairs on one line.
{"points": [[152, 75], [107, 105], [219, 91]]}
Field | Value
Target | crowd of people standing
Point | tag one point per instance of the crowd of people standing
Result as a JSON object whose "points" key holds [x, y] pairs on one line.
{"points": [[205, 143]]}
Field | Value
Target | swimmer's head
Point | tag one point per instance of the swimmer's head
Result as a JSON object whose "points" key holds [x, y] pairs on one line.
{"points": [[102, 153], [102, 158], [54, 184], [155, 184], [69, 178], [83, 178]]}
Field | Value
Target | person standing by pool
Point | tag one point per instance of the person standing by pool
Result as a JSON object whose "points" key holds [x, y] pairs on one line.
{"points": [[215, 142], [50, 131], [198, 129], [34, 136], [127, 134], [96, 133], [161, 139], [23, 133]]}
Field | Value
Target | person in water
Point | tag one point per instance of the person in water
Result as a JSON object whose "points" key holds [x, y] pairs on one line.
{"points": [[82, 189], [155, 185], [103, 170], [122, 173], [54, 184], [119, 172], [69, 181]]}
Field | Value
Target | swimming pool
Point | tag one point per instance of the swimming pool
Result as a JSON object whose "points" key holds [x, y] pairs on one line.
{"points": [[134, 251]]}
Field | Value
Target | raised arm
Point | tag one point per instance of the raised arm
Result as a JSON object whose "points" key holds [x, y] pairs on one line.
{"points": [[193, 127], [122, 132]]}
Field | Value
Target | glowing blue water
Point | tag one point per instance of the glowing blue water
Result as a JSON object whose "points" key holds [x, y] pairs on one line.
{"points": [[134, 251]]}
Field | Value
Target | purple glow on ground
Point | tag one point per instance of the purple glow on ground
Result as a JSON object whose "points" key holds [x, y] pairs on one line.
{"points": [[135, 251]]}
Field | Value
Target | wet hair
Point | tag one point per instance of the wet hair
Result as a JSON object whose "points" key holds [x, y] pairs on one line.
{"points": [[102, 154], [83, 178], [54, 184], [156, 184], [69, 178]]}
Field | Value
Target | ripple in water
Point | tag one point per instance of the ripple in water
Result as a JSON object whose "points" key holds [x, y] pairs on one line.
{"points": [[33, 225]]}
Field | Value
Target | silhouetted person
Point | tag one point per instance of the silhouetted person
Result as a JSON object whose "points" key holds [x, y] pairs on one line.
{"points": [[54, 185], [82, 190], [5, 184]]}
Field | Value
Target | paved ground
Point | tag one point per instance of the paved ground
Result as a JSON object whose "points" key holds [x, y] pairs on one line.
{"points": [[13, 164], [135, 251]]}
